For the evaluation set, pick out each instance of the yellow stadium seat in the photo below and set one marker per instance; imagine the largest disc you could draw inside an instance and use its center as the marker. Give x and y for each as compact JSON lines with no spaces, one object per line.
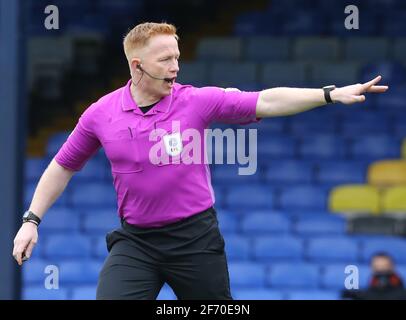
{"x":354,"y":198}
{"x":394,"y":199}
{"x":387,"y":173}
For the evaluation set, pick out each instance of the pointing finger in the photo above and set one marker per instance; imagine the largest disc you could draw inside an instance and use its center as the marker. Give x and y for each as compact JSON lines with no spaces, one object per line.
{"x":377,"y":89}
{"x":374,"y":81}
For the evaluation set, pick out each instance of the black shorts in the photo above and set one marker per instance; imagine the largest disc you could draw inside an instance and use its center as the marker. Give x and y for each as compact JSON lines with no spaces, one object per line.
{"x":188,"y":255}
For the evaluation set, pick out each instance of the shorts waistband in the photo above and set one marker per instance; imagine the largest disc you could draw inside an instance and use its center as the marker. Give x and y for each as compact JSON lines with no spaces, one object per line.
{"x":192,"y":218}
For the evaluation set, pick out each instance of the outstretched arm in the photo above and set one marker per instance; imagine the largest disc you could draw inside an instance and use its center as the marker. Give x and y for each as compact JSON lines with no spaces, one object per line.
{"x":287,"y":101}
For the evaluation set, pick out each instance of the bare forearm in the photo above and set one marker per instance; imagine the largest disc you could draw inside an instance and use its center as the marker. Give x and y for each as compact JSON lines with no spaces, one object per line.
{"x":51,"y":185}
{"x":287,"y":101}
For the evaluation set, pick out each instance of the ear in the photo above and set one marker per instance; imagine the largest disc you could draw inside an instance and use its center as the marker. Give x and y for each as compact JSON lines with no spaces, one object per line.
{"x":135,"y":63}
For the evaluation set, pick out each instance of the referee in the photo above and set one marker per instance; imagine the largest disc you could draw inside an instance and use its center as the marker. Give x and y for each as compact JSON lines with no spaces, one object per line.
{"x":169,"y":229}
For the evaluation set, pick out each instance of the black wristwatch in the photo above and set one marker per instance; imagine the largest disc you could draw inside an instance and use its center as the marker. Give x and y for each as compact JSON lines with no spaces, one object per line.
{"x":30,"y":216}
{"x":327,"y":90}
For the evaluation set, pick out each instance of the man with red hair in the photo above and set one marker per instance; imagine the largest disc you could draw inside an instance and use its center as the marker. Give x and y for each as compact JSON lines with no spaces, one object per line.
{"x":169,"y":227}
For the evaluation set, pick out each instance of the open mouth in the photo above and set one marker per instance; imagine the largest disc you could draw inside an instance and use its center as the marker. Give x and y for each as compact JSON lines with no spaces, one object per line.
{"x":171,"y":80}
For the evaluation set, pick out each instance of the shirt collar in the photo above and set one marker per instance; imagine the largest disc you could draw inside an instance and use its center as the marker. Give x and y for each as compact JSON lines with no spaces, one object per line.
{"x":128,"y":103}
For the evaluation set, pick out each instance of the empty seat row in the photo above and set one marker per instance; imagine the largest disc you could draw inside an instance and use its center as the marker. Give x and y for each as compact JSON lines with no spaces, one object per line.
{"x":277,"y":275}
{"x":282,"y":276}
{"x":276,"y":74}
{"x":311,"y":22}
{"x":305,"y":245}
{"x":287,"y":196}
{"x":266,"y":48}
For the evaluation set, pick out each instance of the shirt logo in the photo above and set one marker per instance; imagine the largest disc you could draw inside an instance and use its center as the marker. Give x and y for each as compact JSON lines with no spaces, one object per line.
{"x":173,"y":144}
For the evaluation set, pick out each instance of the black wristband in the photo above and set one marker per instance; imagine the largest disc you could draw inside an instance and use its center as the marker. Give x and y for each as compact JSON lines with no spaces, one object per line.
{"x":32,"y":221}
{"x":30,"y":216}
{"x":327,"y":90}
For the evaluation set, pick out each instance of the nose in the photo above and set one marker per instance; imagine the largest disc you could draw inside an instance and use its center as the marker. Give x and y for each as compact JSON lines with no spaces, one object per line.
{"x":175,"y":66}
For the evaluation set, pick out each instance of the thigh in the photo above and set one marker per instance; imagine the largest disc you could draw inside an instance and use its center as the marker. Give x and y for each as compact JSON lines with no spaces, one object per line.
{"x":128,"y":273}
{"x":202,"y":275}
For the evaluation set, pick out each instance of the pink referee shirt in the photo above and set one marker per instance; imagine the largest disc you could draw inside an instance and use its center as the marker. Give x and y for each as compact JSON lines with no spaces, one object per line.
{"x":154,"y":194}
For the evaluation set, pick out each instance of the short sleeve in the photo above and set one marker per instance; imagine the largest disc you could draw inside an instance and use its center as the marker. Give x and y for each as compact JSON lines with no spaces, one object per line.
{"x":229,"y":105}
{"x":80,"y":146}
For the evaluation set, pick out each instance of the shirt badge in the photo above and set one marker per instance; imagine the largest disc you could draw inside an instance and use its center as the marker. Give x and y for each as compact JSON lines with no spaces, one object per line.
{"x":173,"y":144}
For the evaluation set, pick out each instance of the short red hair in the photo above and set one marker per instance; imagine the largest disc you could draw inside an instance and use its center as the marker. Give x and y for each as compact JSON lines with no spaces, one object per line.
{"x":141,"y":33}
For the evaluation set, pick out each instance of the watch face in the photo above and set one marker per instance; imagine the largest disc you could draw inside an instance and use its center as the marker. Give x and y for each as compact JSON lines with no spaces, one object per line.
{"x":26,"y":214}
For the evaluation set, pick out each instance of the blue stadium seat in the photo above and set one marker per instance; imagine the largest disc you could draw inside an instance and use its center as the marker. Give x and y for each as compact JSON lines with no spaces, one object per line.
{"x":375,"y":147}
{"x":289,"y":172}
{"x":277,"y":74}
{"x":229,"y":74}
{"x":80,"y":271}
{"x":334,"y":276}
{"x":246,"y":274}
{"x":249,"y":24}
{"x":322,"y":147}
{"x":166,"y":293}
{"x":33,"y":271}
{"x":341,"y":172}
{"x":320,"y":225}
{"x":257,"y":223}
{"x":34,"y":168}
{"x":393,"y":101}
{"x":313,"y":295}
{"x":219,"y":196}
{"x":303,"y":197}
{"x":219,"y":48}
{"x":300,"y":128}
{"x":394,"y":26}
{"x":100,"y":221}
{"x":316,"y":48}
{"x":364,"y":116}
{"x":67,"y":246}
{"x":41,"y":293}
{"x":373,"y":122}
{"x":93,"y":195}
{"x":401,"y":270}
{"x":341,"y":74}
{"x":61,"y":219}
{"x":257,"y":294}
{"x":300,"y":23}
{"x":333,"y":249}
{"x":29,"y":189}
{"x":267,"y":127}
{"x":194,"y":73}
{"x":393,"y":73}
{"x":84,"y":293}
{"x":228,"y":174}
{"x":366,"y":48}
{"x":237,"y":247}
{"x":400,"y":129}
{"x":302,"y":214}
{"x":354,"y":128}
{"x":228,"y":221}
{"x":55,"y":142}
{"x":399,"y":49}
{"x":263,"y":49}
{"x":282,"y":248}
{"x":283,"y":276}
{"x":100,"y":249}
{"x":367,"y":28}
{"x":240,"y":197}
{"x":396,"y":247}
{"x":95,"y":170}
{"x":277,"y":147}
